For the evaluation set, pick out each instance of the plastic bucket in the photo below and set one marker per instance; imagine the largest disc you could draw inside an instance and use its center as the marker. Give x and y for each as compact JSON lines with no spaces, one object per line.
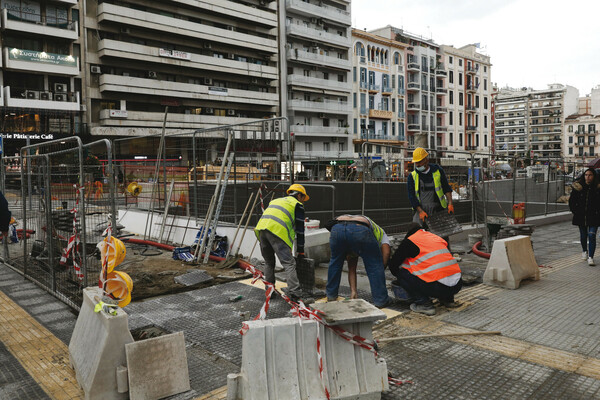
{"x":312,"y":224}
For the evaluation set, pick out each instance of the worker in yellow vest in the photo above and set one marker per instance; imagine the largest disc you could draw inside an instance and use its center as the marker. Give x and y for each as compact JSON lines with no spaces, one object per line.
{"x":425,"y":269}
{"x":281,"y":223}
{"x":428,"y":188}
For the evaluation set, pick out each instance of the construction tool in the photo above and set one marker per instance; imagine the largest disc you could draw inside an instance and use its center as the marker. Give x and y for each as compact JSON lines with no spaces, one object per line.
{"x":393,"y":339}
{"x":166,"y":214}
{"x":240,"y":223}
{"x":247,"y":222}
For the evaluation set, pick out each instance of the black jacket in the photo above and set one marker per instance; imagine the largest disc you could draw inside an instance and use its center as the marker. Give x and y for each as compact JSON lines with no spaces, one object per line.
{"x":584,"y":203}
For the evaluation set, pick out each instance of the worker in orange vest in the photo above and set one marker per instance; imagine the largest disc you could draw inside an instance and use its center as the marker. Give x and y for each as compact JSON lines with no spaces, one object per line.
{"x":425,"y":269}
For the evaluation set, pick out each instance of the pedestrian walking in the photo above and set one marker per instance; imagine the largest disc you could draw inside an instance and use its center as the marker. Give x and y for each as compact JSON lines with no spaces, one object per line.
{"x":425,"y":269}
{"x":281,"y":223}
{"x":354,"y":236}
{"x":584,"y":203}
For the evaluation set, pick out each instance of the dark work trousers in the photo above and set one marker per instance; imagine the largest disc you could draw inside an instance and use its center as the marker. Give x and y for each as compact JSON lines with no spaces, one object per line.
{"x":421,"y":291}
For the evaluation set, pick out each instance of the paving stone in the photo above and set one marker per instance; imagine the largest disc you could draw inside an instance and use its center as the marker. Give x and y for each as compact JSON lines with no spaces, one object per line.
{"x":193,"y":278}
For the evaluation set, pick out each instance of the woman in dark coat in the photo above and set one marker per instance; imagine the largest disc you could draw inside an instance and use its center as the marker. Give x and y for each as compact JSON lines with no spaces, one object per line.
{"x":584,"y":203}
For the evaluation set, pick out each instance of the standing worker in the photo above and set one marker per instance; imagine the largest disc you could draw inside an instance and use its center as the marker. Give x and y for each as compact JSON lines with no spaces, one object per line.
{"x":281,"y":223}
{"x":584,"y":203}
{"x":428,"y":188}
{"x":354,"y":236}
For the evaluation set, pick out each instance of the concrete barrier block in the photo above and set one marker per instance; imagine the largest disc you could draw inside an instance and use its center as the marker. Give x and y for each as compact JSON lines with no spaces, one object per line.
{"x":279,"y":359}
{"x":97,"y":348}
{"x":316,"y":245}
{"x":157,"y":367}
{"x":511,"y":261}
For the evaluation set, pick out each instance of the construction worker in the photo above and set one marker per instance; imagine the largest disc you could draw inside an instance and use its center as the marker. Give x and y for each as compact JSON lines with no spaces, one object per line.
{"x":354,"y":236}
{"x":428,"y":188}
{"x":425,"y":269}
{"x":281,"y":223}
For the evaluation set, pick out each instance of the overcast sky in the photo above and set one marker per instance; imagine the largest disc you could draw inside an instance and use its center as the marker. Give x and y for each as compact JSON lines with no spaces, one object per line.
{"x":530,"y":42}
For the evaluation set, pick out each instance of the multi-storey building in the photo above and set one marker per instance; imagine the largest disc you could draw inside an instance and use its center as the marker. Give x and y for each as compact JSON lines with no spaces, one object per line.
{"x":212,"y":62}
{"x":469,"y":100}
{"x":378,"y":94}
{"x":581,"y":140}
{"x":41,"y":74}
{"x":315,"y":68}
{"x":530,"y":123}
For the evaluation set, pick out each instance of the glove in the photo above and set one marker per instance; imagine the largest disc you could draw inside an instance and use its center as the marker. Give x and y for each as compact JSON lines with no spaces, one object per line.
{"x":450,"y":209}
{"x":423,"y":215}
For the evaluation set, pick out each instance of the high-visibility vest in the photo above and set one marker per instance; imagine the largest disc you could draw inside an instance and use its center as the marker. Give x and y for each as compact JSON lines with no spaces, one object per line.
{"x":434,"y":261}
{"x":279,"y":219}
{"x":377,"y":231}
{"x":437,"y":182}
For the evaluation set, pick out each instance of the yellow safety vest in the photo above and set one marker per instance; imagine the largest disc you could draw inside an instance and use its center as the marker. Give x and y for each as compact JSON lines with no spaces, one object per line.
{"x":437,"y":182}
{"x":279,"y":219}
{"x":377,"y":231}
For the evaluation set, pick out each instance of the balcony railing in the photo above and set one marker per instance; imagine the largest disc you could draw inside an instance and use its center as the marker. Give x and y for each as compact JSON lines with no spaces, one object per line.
{"x":317,"y":34}
{"x":471,"y":128}
{"x":472,"y":70}
{"x":35,"y":23}
{"x":317,"y":58}
{"x":297,"y":79}
{"x":413,"y":67}
{"x":324,"y":105}
{"x":414,"y":106}
{"x":42,"y":99}
{"x":381,"y":114}
{"x":373,"y":87}
{"x":413,"y":86}
{"x":441,"y":91}
{"x":386,"y":89}
{"x":401,"y":92}
{"x":364,"y":85}
{"x":321,"y":11}
{"x":413,"y":127}
{"x":472,"y":88}
{"x":441,"y":109}
{"x":401,"y":115}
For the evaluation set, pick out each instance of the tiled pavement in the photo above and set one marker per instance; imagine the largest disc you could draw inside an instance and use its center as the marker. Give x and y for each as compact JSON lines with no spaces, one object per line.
{"x":548,"y":350}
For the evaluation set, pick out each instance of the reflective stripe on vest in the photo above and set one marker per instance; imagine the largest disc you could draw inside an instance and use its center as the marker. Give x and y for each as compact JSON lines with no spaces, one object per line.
{"x":437,"y":182}
{"x":279,"y":219}
{"x":377,"y":231}
{"x":434,"y":261}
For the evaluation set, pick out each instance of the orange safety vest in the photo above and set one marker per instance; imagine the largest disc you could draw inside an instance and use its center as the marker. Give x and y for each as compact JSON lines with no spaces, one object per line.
{"x":434,"y":261}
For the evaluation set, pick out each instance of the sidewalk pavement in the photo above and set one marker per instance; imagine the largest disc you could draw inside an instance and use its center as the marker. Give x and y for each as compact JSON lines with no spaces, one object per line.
{"x":549,"y":348}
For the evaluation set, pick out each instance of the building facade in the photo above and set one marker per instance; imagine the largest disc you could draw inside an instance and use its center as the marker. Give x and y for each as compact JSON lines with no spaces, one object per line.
{"x":581,"y":141}
{"x":531,"y":123}
{"x":315,"y":71}
{"x":468,"y":117}
{"x":212,"y":63}
{"x":40,"y":71}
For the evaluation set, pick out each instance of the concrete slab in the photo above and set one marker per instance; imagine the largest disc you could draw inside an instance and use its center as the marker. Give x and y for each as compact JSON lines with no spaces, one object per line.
{"x":193,"y":278}
{"x":349,"y":312}
{"x":511,"y":261}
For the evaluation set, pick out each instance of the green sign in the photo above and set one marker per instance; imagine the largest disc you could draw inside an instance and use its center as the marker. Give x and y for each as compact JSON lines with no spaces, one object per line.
{"x":42,"y":57}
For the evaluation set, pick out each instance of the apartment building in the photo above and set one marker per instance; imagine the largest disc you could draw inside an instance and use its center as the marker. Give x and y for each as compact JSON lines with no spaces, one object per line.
{"x":468,"y":119}
{"x":581,"y":140}
{"x":40,"y":71}
{"x":378,"y":92}
{"x":212,"y":63}
{"x":530,"y":123}
{"x":315,"y":71}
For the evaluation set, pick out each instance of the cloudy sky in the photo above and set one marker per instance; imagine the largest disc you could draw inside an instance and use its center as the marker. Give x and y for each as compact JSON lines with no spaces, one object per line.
{"x":530,"y":42}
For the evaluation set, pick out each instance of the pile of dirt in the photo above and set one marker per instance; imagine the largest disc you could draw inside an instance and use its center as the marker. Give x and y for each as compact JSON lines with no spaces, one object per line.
{"x":154,"y":275}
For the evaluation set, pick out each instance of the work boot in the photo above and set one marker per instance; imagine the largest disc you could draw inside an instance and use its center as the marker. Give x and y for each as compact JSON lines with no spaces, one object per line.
{"x":591,"y":262}
{"x":427,"y":309}
{"x":584,"y":255}
{"x":450,"y":303}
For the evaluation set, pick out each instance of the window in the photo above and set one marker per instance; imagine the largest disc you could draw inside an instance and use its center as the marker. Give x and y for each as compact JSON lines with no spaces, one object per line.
{"x":452,"y":97}
{"x":592,"y":128}
{"x":307,"y":146}
{"x":393,"y":105}
{"x":306,"y":72}
{"x":393,"y":81}
{"x":485,"y":84}
{"x":477,"y":101}
{"x":484,"y":68}
{"x":354,"y":74}
{"x":450,"y":59}
{"x":580,"y":128}
{"x":326,"y":146}
{"x":355,"y":126}
{"x":460,"y":137}
{"x":485,"y":122}
{"x":570,"y":137}
{"x":325,"y":75}
{"x":460,"y":99}
{"x":485,"y":103}
{"x":459,"y":62}
{"x":477,"y":140}
{"x":354,"y":100}
{"x":460,"y":78}
{"x":451,"y":135}
{"x":371,"y":102}
{"x":451,"y":118}
{"x":485,"y":140}
{"x":570,"y":151}
{"x":342,"y":146}
{"x":570,"y":128}
{"x":363,"y":74}
{"x":396,"y":58}
{"x":460,"y":121}
{"x":476,"y":119}
{"x":451,"y":77}
{"x":341,"y":77}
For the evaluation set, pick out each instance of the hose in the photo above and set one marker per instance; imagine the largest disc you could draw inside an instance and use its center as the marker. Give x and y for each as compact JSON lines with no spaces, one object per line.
{"x":479,"y":252}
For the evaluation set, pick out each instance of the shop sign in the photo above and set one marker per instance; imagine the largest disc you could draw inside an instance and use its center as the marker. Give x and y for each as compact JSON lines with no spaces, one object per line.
{"x":118,"y":113}
{"x":218,"y":91}
{"x":42,"y":57}
{"x":31,"y":136}
{"x":182,"y":55}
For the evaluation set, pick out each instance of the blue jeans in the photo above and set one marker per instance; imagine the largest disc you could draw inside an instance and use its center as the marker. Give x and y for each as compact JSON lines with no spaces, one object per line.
{"x":588,"y":234}
{"x":348,"y":237}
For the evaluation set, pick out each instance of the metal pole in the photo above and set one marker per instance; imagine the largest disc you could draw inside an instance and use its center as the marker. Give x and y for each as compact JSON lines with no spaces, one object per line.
{"x":514,"y":187}
{"x":240,"y":223}
{"x":547,"y":190}
{"x":248,"y":220}
{"x":473,"y":214}
{"x":364,"y":187}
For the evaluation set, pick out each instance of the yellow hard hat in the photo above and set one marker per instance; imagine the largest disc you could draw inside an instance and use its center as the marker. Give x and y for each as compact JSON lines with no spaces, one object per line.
{"x":419,"y":154}
{"x":114,"y":250}
{"x":119,"y":285}
{"x":298,"y":188}
{"x":134,"y":189}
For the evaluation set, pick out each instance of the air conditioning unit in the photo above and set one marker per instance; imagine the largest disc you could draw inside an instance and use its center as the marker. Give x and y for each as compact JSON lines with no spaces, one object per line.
{"x":95,"y":69}
{"x":46,"y":96}
{"x":209,"y":110}
{"x":313,"y":20}
{"x":32,"y":94}
{"x":125,"y":30}
{"x":321,"y":115}
{"x":208,"y":81}
{"x":231,"y":112}
{"x":231,"y":28}
{"x":152,"y":74}
{"x":207,"y":45}
{"x":231,"y":56}
{"x":60,"y":97}
{"x":254,"y":81}
{"x":60,"y":88}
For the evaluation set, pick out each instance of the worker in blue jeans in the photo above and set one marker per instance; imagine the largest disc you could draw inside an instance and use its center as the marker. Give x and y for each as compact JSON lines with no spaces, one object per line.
{"x":360,"y":235}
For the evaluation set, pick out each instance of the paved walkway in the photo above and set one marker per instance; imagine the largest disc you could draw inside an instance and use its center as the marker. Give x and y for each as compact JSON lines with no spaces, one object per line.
{"x":549,"y":346}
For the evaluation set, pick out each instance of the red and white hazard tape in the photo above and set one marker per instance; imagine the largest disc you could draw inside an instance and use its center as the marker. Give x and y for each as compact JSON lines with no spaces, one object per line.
{"x":72,"y":248}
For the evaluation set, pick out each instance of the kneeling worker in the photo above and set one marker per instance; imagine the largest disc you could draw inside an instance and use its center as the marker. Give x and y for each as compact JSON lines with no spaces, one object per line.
{"x":425,"y":269}
{"x":281,"y":223}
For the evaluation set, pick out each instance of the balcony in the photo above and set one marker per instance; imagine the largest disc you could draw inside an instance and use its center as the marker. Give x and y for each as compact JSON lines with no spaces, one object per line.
{"x":381,"y":114}
{"x":363,"y":111}
{"x":38,"y":61}
{"x":386,"y":89}
{"x":471,"y":109}
{"x":308,"y":130}
{"x":154,"y":87}
{"x":470,"y":148}
{"x":442,"y":128}
{"x":471,"y":128}
{"x":440,"y":70}
{"x":325,"y":106}
{"x":318,"y":35}
{"x":472,"y":88}
{"x":413,"y":86}
{"x":39,"y":99}
{"x":413,"y":127}
{"x":364,"y":85}
{"x":413,"y":67}
{"x":318,"y":59}
{"x":313,"y":10}
{"x":425,"y":88}
{"x":471,"y":70}
{"x":147,"y":54}
{"x":318,"y":83}
{"x":401,"y":92}
{"x":442,"y":109}
{"x":373,"y":87}
{"x":36,"y":24}
{"x":441,"y":91}
{"x":401,"y":115}
{"x":380,"y":135}
{"x":413,"y":106}
{"x":115,"y":14}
